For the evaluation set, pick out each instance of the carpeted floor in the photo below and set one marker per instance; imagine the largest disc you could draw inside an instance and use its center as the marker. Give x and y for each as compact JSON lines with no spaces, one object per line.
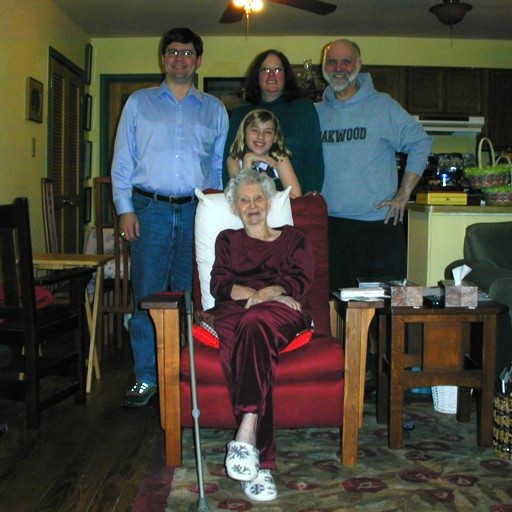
{"x":440,"y":468}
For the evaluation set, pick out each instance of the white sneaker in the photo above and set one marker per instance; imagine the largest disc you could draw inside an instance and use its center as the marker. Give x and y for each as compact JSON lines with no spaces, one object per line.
{"x":262,"y":488}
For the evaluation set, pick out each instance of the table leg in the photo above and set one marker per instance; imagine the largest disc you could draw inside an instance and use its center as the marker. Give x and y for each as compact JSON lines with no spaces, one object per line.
{"x":484,"y":432}
{"x":357,"y":322}
{"x":92,"y":320}
{"x":396,"y":390}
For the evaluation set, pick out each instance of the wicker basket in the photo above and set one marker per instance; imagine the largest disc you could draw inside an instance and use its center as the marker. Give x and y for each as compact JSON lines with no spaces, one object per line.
{"x":498,"y":196}
{"x":445,"y":399}
{"x":502,"y":426}
{"x":488,"y":180}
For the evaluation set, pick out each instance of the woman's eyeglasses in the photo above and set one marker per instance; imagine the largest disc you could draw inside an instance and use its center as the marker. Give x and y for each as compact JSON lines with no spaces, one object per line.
{"x":277,"y":70}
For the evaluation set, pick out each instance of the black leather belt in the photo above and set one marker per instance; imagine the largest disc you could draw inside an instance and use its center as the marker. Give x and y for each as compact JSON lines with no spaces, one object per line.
{"x":165,"y":199}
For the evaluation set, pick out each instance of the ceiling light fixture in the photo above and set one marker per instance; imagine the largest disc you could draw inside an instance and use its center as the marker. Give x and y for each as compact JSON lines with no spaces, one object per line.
{"x":249,"y":6}
{"x":450,"y":12}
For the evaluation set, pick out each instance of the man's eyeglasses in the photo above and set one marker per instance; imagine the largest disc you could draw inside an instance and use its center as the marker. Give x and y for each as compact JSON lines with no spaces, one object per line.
{"x":277,"y":70}
{"x":172,"y":52}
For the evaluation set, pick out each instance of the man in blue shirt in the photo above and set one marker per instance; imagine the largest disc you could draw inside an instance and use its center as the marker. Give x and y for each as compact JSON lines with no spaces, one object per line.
{"x":170,"y":140}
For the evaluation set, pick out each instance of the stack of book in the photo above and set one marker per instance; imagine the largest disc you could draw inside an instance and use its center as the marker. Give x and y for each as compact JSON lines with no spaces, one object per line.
{"x":364,"y":293}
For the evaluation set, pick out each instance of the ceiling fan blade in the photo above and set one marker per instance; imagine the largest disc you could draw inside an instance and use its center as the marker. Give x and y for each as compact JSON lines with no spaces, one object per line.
{"x":231,"y":14}
{"x":315,"y":6}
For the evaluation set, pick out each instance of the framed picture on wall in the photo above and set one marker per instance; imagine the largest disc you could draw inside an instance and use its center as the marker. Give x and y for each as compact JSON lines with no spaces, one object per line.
{"x":87,"y":159}
{"x":228,"y":90}
{"x":87,"y":204}
{"x":88,"y":63}
{"x":88,"y":112}
{"x":34,"y":100}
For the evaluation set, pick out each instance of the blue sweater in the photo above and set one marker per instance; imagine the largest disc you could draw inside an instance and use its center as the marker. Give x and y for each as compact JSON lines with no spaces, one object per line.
{"x":360,"y":137}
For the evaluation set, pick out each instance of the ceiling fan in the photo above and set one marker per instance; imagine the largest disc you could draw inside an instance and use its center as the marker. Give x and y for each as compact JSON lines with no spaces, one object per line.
{"x":234,"y":13}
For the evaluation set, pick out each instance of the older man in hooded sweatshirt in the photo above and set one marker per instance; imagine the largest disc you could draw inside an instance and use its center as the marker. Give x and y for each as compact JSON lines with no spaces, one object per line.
{"x":362,"y":130}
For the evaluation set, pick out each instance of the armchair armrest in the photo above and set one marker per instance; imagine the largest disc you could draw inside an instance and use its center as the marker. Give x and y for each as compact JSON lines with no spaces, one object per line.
{"x":167,"y":312}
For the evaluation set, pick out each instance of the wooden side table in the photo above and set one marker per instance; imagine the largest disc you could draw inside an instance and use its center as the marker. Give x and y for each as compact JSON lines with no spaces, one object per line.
{"x":458,"y":348}
{"x":60,"y":261}
{"x":356,"y":317}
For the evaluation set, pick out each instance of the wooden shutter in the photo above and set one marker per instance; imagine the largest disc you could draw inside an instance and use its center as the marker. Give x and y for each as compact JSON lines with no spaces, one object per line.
{"x":65,"y":150}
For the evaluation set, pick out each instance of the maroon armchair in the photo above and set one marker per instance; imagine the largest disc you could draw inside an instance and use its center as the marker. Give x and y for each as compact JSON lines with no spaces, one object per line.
{"x":309,"y":389}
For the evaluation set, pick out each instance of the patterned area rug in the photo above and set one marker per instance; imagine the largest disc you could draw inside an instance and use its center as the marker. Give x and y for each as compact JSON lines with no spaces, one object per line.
{"x":440,"y":468}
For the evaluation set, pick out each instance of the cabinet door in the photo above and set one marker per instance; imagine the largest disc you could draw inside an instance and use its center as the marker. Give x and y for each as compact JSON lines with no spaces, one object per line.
{"x":463,"y":91}
{"x":391,"y":80}
{"x":425,"y":91}
{"x":499,"y":121}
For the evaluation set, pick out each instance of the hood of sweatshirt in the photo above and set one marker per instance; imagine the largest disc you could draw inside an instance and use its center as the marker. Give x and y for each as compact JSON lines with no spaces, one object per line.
{"x":366,"y":89}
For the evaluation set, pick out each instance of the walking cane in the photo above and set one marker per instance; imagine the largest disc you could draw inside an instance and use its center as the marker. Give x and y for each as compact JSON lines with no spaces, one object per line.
{"x":201,"y":505}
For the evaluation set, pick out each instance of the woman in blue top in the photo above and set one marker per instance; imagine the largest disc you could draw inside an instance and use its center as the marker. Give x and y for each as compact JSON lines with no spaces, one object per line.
{"x":270,"y":84}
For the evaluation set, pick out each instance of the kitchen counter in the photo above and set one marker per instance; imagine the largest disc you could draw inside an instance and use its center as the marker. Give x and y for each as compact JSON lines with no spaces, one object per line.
{"x":457,"y":209}
{"x":436,"y":236}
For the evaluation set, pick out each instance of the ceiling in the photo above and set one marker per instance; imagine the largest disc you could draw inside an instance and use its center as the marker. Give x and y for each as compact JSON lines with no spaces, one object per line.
{"x":489,"y":19}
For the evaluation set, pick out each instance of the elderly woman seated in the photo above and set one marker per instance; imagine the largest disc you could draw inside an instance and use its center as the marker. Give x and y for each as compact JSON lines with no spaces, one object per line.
{"x":260,"y":279}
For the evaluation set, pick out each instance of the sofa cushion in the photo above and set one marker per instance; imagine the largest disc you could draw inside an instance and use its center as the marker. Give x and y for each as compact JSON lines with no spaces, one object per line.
{"x":319,"y":360}
{"x":205,"y":334}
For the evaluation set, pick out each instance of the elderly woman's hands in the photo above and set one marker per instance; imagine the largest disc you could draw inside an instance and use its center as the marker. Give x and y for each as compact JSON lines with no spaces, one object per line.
{"x":272,"y":293}
{"x":289,"y":301}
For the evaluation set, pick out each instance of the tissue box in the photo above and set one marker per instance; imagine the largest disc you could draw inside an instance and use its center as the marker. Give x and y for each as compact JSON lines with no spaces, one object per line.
{"x":406,"y":296}
{"x":463,"y":296}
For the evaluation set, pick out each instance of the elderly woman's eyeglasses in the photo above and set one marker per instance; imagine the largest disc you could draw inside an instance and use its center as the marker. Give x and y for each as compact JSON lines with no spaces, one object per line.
{"x":277,"y":70}
{"x":173,"y":52}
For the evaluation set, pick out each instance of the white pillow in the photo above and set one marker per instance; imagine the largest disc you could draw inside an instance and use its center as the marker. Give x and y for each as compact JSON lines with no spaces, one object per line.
{"x":213,"y":215}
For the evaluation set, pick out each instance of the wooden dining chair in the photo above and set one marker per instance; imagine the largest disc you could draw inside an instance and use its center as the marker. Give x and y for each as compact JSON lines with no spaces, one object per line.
{"x":117,"y":300}
{"x":46,"y":339}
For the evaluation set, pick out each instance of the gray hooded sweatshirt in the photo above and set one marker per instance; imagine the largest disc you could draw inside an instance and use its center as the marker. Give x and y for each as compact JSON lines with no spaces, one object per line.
{"x":360,"y":137}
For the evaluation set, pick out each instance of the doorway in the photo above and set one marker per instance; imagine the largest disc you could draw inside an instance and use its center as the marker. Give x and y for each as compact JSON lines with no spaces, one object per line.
{"x":65,"y":149}
{"x":115,"y":90}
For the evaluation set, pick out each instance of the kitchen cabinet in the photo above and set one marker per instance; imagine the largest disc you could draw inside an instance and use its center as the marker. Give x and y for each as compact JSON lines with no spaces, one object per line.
{"x":499,"y":118}
{"x":436,"y":236}
{"x":391,"y":80}
{"x":452,"y":92}
{"x":444,"y":91}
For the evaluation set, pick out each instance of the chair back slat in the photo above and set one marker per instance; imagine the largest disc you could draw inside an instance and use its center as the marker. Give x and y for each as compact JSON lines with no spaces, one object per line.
{"x":118,"y":300}
{"x":49,"y":222}
{"x":17,"y":272}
